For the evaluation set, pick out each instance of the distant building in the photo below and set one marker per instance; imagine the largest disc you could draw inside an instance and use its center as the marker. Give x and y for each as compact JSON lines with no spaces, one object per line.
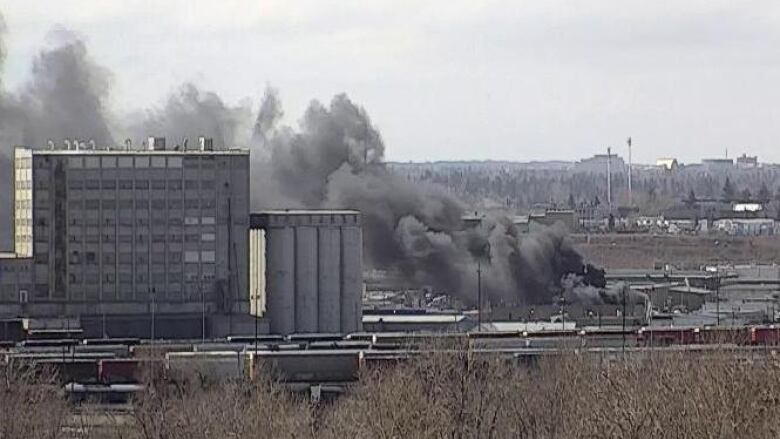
{"x":598,"y":164}
{"x":717,"y":164}
{"x":745,"y":226}
{"x":668,"y":164}
{"x":522,"y":223}
{"x":745,"y":161}
{"x":747,"y":207}
{"x":567,"y":218}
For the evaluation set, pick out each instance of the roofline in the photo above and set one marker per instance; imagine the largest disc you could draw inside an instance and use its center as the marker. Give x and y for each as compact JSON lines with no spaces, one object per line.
{"x":121,"y":151}
{"x":307,"y":212}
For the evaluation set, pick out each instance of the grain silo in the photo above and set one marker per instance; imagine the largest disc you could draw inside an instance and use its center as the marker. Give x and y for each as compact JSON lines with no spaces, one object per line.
{"x":306,"y":270}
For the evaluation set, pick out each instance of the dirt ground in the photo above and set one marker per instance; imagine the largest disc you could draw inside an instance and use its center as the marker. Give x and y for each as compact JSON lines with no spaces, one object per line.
{"x":687,"y":252}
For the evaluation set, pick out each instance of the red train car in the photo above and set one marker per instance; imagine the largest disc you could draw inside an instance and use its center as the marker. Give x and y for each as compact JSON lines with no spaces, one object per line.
{"x":126,"y":370}
{"x":765,"y":335}
{"x":667,"y":336}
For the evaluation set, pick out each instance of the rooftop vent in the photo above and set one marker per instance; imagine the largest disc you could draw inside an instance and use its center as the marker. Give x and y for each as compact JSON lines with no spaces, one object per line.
{"x":156,"y":143}
{"x":206,"y":144}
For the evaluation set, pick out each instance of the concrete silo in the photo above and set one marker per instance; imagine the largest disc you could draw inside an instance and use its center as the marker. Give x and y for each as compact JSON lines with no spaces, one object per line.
{"x":313,"y":278}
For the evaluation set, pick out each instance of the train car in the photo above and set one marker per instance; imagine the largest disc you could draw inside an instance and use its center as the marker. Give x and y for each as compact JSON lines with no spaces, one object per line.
{"x":68,"y":370}
{"x":100,"y":393}
{"x":216,"y":366}
{"x":111,"y":341}
{"x":765,"y":335}
{"x":422,"y":339}
{"x":118,"y":350}
{"x":22,"y":357}
{"x":59,"y":342}
{"x":738,"y":335}
{"x":667,"y":336}
{"x":127,"y":370}
{"x":314,"y":337}
{"x":250,"y":339}
{"x":341,"y":344}
{"x":158,"y":350}
{"x":326,"y":366}
{"x":218,"y":347}
{"x":606,"y":338}
{"x":373,"y":360}
{"x":361,"y":336}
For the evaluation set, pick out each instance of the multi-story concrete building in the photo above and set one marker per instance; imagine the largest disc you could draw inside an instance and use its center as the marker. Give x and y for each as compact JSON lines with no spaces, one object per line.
{"x":113,"y":236}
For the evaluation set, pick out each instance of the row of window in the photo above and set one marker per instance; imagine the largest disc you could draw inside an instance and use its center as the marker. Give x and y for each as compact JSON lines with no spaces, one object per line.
{"x":130,"y":220}
{"x":139,"y":184}
{"x":138,"y":203}
{"x":91,"y":257}
{"x":141,"y":161}
{"x":142,"y":238}
{"x":127,"y":278}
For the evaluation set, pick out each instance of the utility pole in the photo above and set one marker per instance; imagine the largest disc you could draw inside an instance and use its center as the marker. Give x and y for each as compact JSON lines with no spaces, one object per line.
{"x":717,"y":296}
{"x":609,"y":178}
{"x":202,"y":314}
{"x":630,"y":191}
{"x":624,"y":319}
{"x":484,"y":252}
{"x":479,"y":293}
{"x":153,"y":297}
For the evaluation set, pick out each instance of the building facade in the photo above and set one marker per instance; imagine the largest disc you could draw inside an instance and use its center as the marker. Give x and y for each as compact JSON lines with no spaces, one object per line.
{"x":126,"y":232}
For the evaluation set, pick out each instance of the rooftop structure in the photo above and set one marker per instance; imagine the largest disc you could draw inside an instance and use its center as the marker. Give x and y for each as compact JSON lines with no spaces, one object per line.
{"x":717,"y":164}
{"x":747,"y":162}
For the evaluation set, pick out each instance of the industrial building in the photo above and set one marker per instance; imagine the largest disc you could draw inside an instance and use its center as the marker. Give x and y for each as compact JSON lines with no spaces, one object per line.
{"x":115,"y":237}
{"x":306,"y":270}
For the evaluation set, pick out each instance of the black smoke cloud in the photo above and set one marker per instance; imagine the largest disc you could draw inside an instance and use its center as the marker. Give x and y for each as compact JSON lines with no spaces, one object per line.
{"x":190,"y":113}
{"x":336,"y":160}
{"x":333,"y":159}
{"x":65,"y":98}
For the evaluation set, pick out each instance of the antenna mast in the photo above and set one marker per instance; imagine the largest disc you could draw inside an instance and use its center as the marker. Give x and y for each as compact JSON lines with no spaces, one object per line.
{"x":609,"y":178}
{"x":630,"y":191}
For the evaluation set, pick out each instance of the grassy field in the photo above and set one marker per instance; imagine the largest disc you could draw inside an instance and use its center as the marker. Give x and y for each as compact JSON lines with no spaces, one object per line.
{"x":646,"y":251}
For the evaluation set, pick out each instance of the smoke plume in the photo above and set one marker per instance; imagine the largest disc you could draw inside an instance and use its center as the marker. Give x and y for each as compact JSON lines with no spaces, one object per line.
{"x":336,"y":160}
{"x":333,"y":159}
{"x":65,"y":97}
{"x":190,"y":113}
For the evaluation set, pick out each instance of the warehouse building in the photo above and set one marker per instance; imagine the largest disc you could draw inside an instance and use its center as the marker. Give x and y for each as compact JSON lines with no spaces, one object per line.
{"x":113,"y":236}
{"x":306,"y":270}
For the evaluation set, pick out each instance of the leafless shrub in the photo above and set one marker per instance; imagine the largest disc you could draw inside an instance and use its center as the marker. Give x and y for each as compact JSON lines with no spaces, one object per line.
{"x":233,"y":408}
{"x":31,"y":403}
{"x":452,"y":392}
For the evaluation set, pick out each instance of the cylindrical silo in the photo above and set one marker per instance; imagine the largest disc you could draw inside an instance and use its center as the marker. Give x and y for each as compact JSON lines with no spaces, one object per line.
{"x":306,"y":310}
{"x":281,"y":280}
{"x":351,"y":279}
{"x":329,"y":256}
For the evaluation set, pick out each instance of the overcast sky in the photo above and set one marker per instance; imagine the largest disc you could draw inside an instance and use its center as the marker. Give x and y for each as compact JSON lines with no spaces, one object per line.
{"x":450,"y":79}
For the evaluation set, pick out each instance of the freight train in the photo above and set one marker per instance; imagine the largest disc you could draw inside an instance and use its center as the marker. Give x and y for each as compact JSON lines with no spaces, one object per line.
{"x":330,"y":358}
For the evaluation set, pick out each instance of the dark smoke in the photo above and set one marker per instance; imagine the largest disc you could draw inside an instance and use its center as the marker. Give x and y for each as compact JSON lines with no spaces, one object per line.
{"x":65,"y":98}
{"x":336,"y":160}
{"x":190,"y":113}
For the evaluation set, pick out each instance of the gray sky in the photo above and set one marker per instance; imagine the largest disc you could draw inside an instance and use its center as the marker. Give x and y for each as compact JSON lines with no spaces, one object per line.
{"x":451,"y":79}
